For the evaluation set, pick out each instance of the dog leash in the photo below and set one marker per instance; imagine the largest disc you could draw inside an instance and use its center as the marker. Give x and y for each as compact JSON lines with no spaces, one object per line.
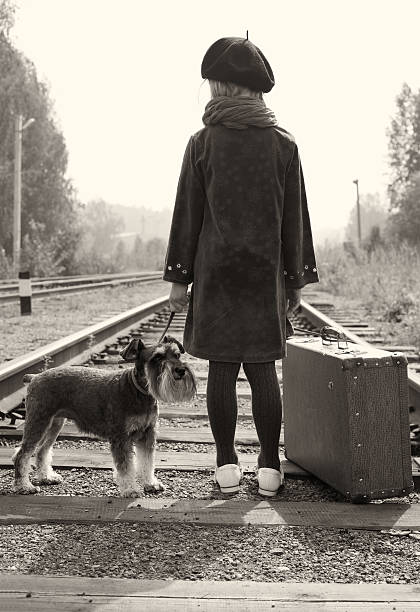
{"x":171,"y":316}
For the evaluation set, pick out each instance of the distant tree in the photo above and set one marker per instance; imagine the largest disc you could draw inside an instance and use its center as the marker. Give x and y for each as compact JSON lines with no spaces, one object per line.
{"x":155,"y":253}
{"x":120,"y":256}
{"x":349,"y":247}
{"x":404,"y":144}
{"x":374,"y":240}
{"x":39,"y":253}
{"x":96,"y":249}
{"x":404,"y":223}
{"x":6,"y":268}
{"x":138,"y":253}
{"x":7,"y":16}
{"x":372,"y":213}
{"x":48,"y":198}
{"x":99,"y":226}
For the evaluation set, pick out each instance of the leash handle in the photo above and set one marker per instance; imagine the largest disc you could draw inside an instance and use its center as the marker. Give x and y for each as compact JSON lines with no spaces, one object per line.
{"x":171,"y":316}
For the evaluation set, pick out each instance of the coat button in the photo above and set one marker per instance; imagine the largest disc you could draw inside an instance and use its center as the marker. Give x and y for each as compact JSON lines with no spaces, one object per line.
{"x":314,"y":270}
{"x":306,"y":267}
{"x":178,"y":265}
{"x":184,"y":271}
{"x":285,"y":272}
{"x":169,"y":267}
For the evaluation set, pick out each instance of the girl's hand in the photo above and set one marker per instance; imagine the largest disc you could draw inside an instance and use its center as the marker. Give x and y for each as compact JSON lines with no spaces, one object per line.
{"x":293,"y":300}
{"x":178,"y":297}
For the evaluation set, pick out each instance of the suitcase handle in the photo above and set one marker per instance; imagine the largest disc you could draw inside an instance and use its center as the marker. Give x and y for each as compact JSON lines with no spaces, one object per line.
{"x":328,"y":335}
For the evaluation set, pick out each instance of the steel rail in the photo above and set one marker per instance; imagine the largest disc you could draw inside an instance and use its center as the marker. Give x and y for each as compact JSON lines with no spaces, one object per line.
{"x":319,"y":319}
{"x":10,"y":284}
{"x":13,"y":297}
{"x":71,"y":349}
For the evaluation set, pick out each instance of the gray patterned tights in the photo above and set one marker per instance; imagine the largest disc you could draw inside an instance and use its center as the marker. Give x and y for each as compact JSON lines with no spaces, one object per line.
{"x":266,"y":409}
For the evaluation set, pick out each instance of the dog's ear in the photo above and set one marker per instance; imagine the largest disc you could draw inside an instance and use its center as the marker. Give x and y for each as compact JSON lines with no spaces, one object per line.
{"x":130,"y":352}
{"x":172,"y":339}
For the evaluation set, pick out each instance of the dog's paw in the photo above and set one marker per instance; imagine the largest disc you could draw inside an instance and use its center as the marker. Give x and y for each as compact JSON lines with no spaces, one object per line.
{"x":131,"y":493}
{"x":154,"y":487}
{"x":49,"y":479}
{"x":26,"y":489}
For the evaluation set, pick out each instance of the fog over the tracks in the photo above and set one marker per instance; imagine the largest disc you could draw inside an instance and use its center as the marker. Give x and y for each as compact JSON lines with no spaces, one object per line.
{"x":125,"y":77}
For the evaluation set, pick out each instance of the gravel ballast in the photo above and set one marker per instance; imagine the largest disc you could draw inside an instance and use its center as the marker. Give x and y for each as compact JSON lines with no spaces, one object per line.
{"x":180,"y":484}
{"x":190,"y":485}
{"x":190,"y":552}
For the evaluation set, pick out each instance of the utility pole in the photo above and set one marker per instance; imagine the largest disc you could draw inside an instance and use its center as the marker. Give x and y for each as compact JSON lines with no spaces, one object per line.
{"x":359,"y":224}
{"x":17,"y":190}
{"x":17,"y":194}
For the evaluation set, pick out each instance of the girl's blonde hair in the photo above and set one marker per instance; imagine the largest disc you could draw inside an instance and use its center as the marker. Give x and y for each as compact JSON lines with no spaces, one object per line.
{"x":226,"y":88}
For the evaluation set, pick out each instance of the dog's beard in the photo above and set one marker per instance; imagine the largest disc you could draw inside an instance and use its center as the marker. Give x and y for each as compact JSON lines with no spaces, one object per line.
{"x":165,"y":388}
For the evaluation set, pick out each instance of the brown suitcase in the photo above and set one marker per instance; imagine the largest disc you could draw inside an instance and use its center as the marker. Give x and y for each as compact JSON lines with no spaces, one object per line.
{"x":346,"y":417}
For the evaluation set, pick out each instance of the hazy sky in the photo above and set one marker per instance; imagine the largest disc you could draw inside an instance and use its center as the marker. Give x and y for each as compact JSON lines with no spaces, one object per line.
{"x":125,"y":78}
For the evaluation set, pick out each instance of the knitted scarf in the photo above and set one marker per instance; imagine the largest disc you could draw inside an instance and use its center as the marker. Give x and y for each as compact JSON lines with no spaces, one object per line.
{"x":238,"y":112}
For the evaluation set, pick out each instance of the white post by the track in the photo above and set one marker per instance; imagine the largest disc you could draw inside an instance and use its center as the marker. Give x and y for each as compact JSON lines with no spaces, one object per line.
{"x":25,"y":293}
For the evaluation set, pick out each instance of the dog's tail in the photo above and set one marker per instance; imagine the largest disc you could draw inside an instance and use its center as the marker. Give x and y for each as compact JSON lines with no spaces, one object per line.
{"x":27,"y":378}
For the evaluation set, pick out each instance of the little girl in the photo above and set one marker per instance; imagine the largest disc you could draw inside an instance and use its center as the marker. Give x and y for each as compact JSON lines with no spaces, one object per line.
{"x":241,"y":234}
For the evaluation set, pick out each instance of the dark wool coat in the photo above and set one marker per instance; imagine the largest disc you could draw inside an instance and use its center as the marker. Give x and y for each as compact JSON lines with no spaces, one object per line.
{"x":241,"y":234}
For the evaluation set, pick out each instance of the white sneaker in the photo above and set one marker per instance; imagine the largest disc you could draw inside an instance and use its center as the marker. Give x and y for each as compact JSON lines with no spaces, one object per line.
{"x":269,"y":481}
{"x":228,"y":477}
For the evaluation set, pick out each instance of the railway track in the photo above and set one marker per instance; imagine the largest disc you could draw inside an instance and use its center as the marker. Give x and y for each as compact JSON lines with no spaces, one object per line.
{"x":185,"y":452}
{"x":75,"y":284}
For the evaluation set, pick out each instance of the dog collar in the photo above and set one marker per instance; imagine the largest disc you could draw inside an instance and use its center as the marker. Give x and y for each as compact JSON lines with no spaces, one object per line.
{"x":136,"y":384}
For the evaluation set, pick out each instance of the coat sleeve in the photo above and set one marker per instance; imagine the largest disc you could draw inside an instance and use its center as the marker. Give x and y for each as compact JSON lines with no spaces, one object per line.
{"x":187,"y":220}
{"x":298,"y":251}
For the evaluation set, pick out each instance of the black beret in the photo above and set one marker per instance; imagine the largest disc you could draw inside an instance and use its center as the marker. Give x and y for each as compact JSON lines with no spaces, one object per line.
{"x":239,"y":61}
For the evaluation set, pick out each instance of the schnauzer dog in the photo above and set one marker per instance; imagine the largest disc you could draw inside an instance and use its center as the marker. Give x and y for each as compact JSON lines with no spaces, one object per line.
{"x":119,"y":406}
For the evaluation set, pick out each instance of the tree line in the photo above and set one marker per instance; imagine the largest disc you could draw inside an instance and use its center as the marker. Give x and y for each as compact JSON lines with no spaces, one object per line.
{"x":60,"y":234}
{"x":104,"y":249}
{"x":49,"y":211}
{"x":399,"y":221}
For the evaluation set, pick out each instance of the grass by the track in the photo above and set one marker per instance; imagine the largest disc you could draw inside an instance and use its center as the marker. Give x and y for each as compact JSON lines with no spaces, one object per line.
{"x":387,"y":282}
{"x":57,"y":316}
